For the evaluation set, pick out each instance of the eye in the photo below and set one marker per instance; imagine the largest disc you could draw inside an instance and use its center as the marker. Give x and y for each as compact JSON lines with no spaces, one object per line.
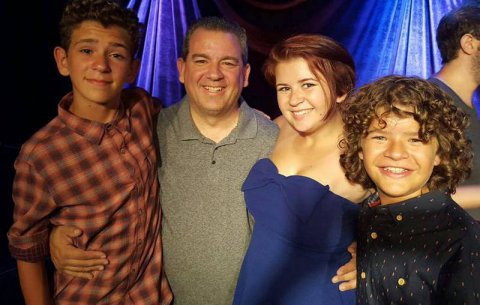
{"x":308,"y":85}
{"x":86,"y":51}
{"x":200,"y":61}
{"x":283,"y":89}
{"x":230,"y":63}
{"x":378,"y":138}
{"x":118,"y":56}
{"x":416,"y":140}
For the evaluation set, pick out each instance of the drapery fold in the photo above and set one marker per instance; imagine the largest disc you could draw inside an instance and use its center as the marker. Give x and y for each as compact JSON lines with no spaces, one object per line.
{"x":166,"y":22}
{"x":384,"y":37}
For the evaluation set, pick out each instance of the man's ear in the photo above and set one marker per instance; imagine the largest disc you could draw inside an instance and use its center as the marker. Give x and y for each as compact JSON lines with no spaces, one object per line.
{"x":437,"y":160}
{"x":181,"y":70}
{"x":360,"y":155}
{"x":246,"y":74}
{"x":467,"y":44}
{"x":60,"y":55}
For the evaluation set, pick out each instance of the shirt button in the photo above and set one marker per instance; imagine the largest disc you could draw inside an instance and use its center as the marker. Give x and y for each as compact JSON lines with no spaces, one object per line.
{"x":399,"y":217}
{"x":122,"y":150}
{"x":363,"y":275}
{"x":374,"y":235}
{"x":401,"y":281}
{"x":140,"y":212}
{"x":213,"y":161}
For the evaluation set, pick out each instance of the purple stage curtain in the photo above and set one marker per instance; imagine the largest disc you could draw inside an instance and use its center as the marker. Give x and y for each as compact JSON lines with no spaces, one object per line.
{"x":383,"y":36}
{"x":166,"y":23}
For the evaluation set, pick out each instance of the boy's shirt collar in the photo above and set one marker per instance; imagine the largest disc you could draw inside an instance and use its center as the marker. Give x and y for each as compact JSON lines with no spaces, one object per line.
{"x":93,"y":131}
{"x":428,"y":202}
{"x":373,"y":200}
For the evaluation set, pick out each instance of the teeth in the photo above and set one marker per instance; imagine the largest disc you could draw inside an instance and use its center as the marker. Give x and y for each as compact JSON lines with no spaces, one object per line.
{"x":395,"y":170}
{"x":302,"y":112}
{"x":213,"y":89}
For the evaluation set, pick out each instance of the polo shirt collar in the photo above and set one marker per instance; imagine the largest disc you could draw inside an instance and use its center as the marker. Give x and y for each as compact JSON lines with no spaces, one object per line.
{"x":246,"y":127}
{"x":93,"y":131}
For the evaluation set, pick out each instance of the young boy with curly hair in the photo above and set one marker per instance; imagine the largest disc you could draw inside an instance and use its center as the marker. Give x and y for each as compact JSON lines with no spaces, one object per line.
{"x":405,"y":138}
{"x":93,"y":167}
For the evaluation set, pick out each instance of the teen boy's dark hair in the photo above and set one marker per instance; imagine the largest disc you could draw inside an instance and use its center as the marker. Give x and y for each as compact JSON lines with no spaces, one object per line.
{"x":106,"y":12}
{"x":431,"y":108}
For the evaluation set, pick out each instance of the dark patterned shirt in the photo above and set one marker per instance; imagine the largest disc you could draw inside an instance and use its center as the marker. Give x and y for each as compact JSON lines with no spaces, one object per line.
{"x":425,"y":250}
{"x":101,"y":178}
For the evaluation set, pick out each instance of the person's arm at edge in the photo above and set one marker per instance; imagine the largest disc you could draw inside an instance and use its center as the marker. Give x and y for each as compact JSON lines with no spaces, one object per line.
{"x":34,"y":283}
{"x":468,"y":196}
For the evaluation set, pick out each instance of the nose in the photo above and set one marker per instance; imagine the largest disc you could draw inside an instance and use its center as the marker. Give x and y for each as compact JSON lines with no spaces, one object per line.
{"x":101,"y":63}
{"x":297,"y":97}
{"x":214,"y":71}
{"x":396,"y":150}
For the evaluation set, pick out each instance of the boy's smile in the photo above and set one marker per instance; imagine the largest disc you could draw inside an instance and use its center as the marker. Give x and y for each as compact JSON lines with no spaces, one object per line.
{"x":397,"y":160}
{"x":99,"y":62}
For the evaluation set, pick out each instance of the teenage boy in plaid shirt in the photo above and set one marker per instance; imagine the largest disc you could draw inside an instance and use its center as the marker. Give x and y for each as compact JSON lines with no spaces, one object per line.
{"x":93,"y":167}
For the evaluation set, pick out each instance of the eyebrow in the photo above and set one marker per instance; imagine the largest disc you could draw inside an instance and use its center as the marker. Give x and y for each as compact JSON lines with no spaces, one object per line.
{"x":382,"y":131}
{"x":300,"y":81}
{"x":197,"y":55}
{"x":91,"y":40}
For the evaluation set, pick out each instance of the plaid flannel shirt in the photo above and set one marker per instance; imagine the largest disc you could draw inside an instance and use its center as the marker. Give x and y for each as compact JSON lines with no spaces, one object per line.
{"x":101,"y":178}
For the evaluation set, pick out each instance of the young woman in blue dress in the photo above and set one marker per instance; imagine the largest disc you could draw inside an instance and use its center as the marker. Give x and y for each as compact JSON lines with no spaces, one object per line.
{"x":304,"y":208}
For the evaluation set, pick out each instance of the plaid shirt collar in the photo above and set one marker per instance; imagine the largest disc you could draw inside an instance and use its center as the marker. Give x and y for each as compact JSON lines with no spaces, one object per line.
{"x":93,"y":131}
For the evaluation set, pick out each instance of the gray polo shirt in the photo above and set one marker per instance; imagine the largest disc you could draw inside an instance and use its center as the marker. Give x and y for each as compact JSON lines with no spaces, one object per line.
{"x":206,"y":228}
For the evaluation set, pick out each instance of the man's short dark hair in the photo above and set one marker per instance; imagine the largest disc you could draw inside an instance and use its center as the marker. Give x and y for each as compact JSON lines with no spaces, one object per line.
{"x":464,"y":20}
{"x":220,"y":25}
{"x":106,"y":12}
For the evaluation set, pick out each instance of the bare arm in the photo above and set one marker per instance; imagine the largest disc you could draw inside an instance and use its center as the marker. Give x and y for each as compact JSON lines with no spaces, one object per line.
{"x":468,"y":196}
{"x":71,"y":260}
{"x":347,"y":274}
{"x":34,"y":283}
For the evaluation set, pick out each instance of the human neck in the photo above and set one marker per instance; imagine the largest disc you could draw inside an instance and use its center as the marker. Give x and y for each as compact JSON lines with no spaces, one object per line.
{"x":216,"y":127}
{"x":330,"y":132}
{"x":102,"y":113}
{"x":457,"y":76}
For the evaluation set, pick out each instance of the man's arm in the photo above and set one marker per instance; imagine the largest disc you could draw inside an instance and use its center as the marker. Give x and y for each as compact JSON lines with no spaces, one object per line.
{"x":34,"y":283}
{"x":71,"y":260}
{"x":468,"y":196}
{"x":347,"y":274}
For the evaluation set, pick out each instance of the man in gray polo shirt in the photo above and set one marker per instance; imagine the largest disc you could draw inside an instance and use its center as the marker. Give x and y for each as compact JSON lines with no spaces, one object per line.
{"x":208,"y":144}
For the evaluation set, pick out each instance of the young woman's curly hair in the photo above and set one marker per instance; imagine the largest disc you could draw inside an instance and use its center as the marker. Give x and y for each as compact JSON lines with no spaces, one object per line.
{"x":432,"y":108}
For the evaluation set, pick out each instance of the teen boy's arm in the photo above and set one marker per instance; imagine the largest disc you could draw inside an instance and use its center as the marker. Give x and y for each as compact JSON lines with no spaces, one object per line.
{"x":28,"y":235}
{"x":34,"y":283}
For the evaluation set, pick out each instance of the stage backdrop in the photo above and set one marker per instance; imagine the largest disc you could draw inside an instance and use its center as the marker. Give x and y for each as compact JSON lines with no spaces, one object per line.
{"x":384,"y":36}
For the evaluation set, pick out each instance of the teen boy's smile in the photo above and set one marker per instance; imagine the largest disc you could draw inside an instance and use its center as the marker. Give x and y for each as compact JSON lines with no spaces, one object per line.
{"x":398,"y":162}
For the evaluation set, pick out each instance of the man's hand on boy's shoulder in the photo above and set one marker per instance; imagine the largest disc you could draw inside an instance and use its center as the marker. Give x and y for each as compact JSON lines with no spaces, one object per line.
{"x":69,"y":259}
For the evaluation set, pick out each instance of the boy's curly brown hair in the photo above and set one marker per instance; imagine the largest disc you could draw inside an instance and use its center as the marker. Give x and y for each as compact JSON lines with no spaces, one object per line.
{"x":106,"y":12}
{"x":432,"y":108}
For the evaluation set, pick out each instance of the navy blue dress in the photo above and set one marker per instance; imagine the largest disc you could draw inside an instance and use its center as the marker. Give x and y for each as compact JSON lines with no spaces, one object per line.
{"x":301,"y":234}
